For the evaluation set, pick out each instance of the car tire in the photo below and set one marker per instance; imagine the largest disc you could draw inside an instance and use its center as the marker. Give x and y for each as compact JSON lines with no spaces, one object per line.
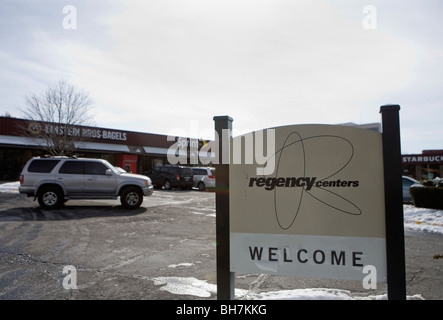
{"x":167,"y":184}
{"x":201,"y":186}
{"x":131,"y":198}
{"x":50,"y":197}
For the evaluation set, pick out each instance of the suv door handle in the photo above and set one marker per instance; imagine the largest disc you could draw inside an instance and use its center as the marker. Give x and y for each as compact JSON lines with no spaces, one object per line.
{"x":59,"y":178}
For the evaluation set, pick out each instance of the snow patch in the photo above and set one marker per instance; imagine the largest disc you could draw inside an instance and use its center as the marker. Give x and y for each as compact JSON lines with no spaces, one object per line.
{"x":202,"y":289}
{"x":10,"y":187}
{"x":184,"y":264}
{"x":191,"y":286}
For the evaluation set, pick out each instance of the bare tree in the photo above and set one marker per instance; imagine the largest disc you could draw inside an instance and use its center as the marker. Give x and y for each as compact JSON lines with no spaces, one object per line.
{"x":55,"y":114}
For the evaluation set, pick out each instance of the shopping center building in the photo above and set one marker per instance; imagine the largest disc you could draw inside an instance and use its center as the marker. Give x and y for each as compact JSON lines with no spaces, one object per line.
{"x":136,"y":152}
{"x":139,"y":152}
{"x":427,"y":165}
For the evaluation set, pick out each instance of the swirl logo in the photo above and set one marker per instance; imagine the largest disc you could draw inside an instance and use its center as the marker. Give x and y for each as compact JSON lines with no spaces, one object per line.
{"x":34,"y":128}
{"x":307,"y":167}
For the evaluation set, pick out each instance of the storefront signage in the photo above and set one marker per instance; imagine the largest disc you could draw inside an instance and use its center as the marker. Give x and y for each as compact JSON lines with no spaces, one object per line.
{"x":36,"y":128}
{"x":419,"y":158}
{"x":320,"y":213}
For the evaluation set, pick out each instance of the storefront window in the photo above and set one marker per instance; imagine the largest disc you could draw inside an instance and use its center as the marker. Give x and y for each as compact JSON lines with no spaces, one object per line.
{"x":430,"y":171}
{"x":13,"y":161}
{"x":159,"y":162}
{"x":109,"y":157}
{"x":409,"y":170}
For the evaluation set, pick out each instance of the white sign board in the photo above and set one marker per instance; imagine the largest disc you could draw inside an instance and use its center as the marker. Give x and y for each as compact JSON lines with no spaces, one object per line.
{"x":314,"y":208}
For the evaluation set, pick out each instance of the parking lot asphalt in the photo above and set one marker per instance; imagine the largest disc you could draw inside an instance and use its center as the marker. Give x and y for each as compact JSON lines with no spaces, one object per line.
{"x":100,"y":250}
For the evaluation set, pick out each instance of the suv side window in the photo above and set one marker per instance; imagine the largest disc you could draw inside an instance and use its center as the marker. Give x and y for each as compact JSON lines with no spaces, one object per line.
{"x":198,"y":172}
{"x":95,"y":168}
{"x":72,"y":167}
{"x":188,"y":171}
{"x":163,"y":169}
{"x":173,"y":170}
{"x":42,"y":166}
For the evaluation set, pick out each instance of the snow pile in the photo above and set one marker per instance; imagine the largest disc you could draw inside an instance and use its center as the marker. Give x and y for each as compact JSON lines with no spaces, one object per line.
{"x":319,"y":294}
{"x":9,"y":187}
{"x":202,"y":289}
{"x":422,"y":219}
{"x":186,"y":286}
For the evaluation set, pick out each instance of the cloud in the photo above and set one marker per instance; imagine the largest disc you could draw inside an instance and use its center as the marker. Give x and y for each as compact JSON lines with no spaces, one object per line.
{"x":262,"y":63}
{"x":161,"y":64}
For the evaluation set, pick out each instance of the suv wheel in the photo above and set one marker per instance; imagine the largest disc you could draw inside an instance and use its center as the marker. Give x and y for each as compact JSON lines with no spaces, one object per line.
{"x":50,"y":197}
{"x":201,"y":186}
{"x":131,"y":198}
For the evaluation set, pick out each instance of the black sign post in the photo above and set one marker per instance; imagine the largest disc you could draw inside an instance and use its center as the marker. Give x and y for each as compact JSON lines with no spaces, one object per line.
{"x":225,"y":278}
{"x":395,"y":241}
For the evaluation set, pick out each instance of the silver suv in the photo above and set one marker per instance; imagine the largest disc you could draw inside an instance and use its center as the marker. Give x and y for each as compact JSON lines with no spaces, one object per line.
{"x":204,"y":177}
{"x":54,"y":180}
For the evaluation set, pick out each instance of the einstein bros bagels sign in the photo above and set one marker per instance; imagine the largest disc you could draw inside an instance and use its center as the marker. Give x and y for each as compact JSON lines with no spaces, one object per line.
{"x":313,"y":208}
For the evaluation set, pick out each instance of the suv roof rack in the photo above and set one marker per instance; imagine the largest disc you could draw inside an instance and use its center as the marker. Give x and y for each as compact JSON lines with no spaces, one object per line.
{"x":46,"y":156}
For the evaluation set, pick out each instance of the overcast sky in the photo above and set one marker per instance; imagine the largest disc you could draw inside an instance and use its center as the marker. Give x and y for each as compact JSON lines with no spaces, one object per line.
{"x":170,"y":66}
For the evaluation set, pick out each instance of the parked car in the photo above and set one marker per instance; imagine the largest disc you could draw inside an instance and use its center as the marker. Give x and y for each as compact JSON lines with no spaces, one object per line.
{"x":54,"y":180}
{"x":204,"y":177}
{"x":407,"y":183}
{"x":170,"y":177}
